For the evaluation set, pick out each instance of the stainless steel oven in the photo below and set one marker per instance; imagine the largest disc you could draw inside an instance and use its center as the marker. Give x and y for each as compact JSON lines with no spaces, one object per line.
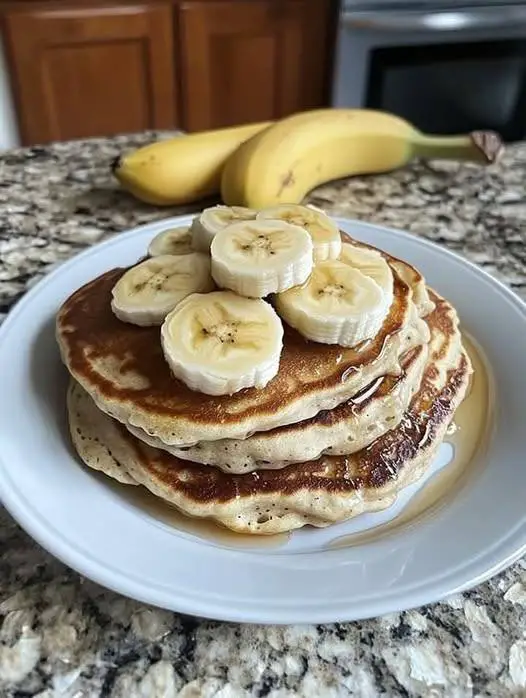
{"x":448,"y":67}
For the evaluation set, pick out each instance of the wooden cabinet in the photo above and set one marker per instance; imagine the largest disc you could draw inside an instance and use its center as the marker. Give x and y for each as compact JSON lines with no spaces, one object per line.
{"x":80,"y":71}
{"x":252,"y":61}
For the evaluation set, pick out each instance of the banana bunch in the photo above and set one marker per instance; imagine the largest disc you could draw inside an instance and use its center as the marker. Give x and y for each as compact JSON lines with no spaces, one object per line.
{"x":267,"y":165}
{"x":221,"y":287}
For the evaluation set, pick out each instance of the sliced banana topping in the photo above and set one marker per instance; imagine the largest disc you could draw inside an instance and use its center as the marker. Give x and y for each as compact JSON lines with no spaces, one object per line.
{"x":370,"y":263}
{"x":174,"y":241}
{"x":219,"y":343}
{"x":324,"y":232}
{"x":209,"y":222}
{"x":337,"y":305}
{"x":255,"y":258}
{"x":146,"y":293}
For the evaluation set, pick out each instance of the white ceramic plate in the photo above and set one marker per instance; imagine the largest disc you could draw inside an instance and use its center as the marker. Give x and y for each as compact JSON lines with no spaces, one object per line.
{"x":88,"y":525}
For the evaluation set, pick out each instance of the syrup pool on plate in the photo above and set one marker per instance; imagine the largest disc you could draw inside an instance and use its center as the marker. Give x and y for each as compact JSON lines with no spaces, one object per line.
{"x":205,"y":529}
{"x":467,"y":436}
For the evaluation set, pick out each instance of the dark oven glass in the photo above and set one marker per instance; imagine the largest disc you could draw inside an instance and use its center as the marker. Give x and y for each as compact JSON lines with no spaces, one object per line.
{"x":453,"y":88}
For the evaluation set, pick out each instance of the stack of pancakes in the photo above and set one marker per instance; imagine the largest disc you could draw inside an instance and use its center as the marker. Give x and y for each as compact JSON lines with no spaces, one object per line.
{"x":339,"y":431}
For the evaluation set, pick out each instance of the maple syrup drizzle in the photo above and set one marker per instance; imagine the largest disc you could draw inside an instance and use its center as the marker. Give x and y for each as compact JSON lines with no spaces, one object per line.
{"x":469,"y":434}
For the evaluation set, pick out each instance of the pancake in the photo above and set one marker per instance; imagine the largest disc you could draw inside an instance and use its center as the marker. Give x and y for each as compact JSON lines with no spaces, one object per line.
{"x":319,"y":492}
{"x":93,"y":448}
{"x":123,"y":369}
{"x":347,"y":428}
{"x":414,"y":279}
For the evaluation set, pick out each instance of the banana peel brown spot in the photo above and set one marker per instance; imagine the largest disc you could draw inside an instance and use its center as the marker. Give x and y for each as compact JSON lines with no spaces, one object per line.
{"x":286,"y":181}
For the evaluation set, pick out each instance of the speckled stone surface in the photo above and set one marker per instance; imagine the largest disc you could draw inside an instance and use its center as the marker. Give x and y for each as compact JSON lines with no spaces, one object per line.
{"x":63,"y":636}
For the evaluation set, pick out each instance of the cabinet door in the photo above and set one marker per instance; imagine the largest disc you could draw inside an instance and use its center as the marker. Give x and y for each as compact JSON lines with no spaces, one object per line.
{"x":91,"y":70}
{"x":251,"y":61}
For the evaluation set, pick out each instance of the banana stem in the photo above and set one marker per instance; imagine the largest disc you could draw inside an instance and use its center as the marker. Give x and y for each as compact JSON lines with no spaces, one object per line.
{"x":478,"y":146}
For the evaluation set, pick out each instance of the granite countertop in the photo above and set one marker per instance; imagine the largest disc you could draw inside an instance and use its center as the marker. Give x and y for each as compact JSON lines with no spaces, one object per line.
{"x":64,"y":636}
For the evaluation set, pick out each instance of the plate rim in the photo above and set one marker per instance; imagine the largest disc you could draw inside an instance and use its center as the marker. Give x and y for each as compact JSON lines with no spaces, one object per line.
{"x":47,"y":538}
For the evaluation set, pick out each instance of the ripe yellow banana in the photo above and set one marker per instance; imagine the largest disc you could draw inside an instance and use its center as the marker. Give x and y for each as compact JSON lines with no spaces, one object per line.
{"x":282,"y":163}
{"x":183,"y":169}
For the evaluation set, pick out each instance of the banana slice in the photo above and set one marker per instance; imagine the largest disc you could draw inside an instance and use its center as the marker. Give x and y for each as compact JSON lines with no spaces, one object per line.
{"x":173,"y":241}
{"x":337,"y":305}
{"x":219,"y":343}
{"x":209,"y":222}
{"x":370,"y":263}
{"x":255,"y":258}
{"x":323,"y":231}
{"x":146,"y":293}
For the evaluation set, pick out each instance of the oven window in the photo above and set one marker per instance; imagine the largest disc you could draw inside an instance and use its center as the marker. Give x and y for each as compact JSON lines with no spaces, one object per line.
{"x":453,"y":88}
